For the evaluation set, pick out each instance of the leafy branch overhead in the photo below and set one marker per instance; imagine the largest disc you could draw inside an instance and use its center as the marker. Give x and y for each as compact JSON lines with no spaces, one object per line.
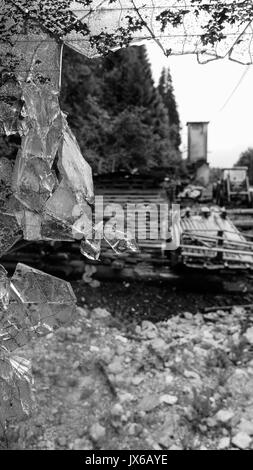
{"x":178,"y":27}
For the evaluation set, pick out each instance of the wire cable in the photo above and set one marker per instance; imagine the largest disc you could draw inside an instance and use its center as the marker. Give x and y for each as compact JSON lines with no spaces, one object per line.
{"x":235,"y":88}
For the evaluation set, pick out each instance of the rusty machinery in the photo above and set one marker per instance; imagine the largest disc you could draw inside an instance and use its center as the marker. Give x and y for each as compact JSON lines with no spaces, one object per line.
{"x":233,"y":187}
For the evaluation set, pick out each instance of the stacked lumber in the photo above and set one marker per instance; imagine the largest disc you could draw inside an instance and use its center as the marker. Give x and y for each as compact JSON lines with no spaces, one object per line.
{"x":64,"y":258}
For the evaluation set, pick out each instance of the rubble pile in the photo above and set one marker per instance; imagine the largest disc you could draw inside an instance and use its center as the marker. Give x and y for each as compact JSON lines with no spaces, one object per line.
{"x":184,"y":383}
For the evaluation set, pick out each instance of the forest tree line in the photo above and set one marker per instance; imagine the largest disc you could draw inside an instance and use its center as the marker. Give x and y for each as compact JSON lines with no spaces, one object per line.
{"x":122,"y":121}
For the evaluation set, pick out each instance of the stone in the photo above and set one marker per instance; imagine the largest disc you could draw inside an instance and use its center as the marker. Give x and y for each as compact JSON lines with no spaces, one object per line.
{"x":249,"y":335}
{"x":203,"y":428}
{"x":224,"y":443}
{"x":72,"y":381}
{"x":137,"y":380}
{"x":86,"y":382}
{"x":246,"y":426}
{"x":131,"y":429}
{"x":210,"y":316}
{"x":100,"y":313}
{"x":211,"y":422}
{"x":168,"y":399}
{"x":81,"y":444}
{"x":224,"y":416}
{"x":242,"y":440}
{"x":82,"y":312}
{"x":190,"y":374}
{"x":121,"y":338}
{"x":117,"y":410}
{"x":198,"y":318}
{"x":175,"y":447}
{"x":187,"y":315}
{"x":62,"y":441}
{"x":158,"y":344}
{"x":126,"y":397}
{"x":97,"y":432}
{"x":169,"y":379}
{"x":149,"y":402}
{"x":120,"y":350}
{"x":115,"y":367}
{"x":165,"y":440}
{"x":148,"y":329}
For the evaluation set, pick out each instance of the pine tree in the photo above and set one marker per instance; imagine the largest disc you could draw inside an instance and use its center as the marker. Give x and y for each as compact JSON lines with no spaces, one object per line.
{"x":166,"y":91}
{"x":116,"y":111}
{"x":128,"y":85}
{"x":128,"y":82}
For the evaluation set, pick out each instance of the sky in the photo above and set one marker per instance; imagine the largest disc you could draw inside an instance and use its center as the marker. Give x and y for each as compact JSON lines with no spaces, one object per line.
{"x":201,"y":93}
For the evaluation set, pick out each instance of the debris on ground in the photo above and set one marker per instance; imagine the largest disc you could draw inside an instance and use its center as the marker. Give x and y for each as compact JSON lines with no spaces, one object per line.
{"x":182,"y":383}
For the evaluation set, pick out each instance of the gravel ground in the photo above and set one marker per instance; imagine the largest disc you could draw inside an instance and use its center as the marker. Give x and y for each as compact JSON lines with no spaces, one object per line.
{"x":181,"y":382}
{"x":132,"y":302}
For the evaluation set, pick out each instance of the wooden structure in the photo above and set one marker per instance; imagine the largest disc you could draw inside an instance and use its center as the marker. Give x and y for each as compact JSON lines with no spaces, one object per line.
{"x":141,"y":198}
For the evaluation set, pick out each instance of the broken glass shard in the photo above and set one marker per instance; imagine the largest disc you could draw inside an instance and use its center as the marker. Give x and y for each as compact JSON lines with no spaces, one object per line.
{"x":60,"y":205}
{"x":33,"y":181}
{"x":74,"y":168}
{"x":26,"y":322}
{"x":34,"y":286}
{"x":39,"y":303}
{"x":30,"y":223}
{"x":15,"y":388}
{"x":63,"y":206}
{"x":55,"y":230}
{"x":10,"y":232}
{"x":91,"y":248}
{"x":5,"y":171}
{"x":119,"y":241}
{"x":5,"y":183}
{"x":4,"y":288}
{"x":82,"y":227}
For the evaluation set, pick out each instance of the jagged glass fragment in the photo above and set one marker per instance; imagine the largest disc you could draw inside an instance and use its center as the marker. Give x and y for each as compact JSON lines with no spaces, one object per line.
{"x":33,"y":181}
{"x":30,"y":223}
{"x":15,"y":388}
{"x":82,"y":227}
{"x":30,"y":55}
{"x":91,"y":248}
{"x":4,"y":288}
{"x":26,"y":322}
{"x":42,"y":123}
{"x":74,"y":168}
{"x":74,"y":216}
{"x":34,"y":286}
{"x":60,"y":205}
{"x":5,"y":183}
{"x":39,"y":303}
{"x":10,"y":232}
{"x":10,"y":96}
{"x":5,"y":171}
{"x":55,"y":230}
{"x":119,"y":241}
